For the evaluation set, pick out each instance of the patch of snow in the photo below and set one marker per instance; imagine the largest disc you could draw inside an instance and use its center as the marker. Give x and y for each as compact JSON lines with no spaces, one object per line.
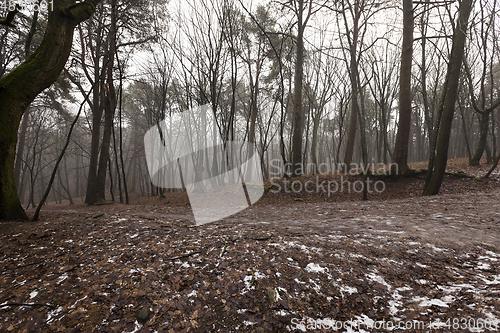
{"x":377,"y":278}
{"x":395,"y":303}
{"x":486,"y":258}
{"x":136,"y":328}
{"x":33,"y":294}
{"x":282,"y":313}
{"x":425,"y":302}
{"x":312,"y":267}
{"x":483,"y":265}
{"x":62,"y":278}
{"x":389,"y":231}
{"x":298,"y":281}
{"x":52,"y":314}
{"x":249,"y":279}
{"x":495,"y":281}
{"x":349,"y":290}
{"x":81,"y":299}
{"x":493,"y":254}
{"x":437,"y":249}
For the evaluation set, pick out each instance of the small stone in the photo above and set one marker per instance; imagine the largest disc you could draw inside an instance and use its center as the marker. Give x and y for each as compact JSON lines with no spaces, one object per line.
{"x":142,"y":315}
{"x":233,"y":238}
{"x":271,"y":294}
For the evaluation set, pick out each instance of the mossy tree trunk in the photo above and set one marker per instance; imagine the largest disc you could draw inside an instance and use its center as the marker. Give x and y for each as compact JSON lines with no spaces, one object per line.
{"x":20,"y":87}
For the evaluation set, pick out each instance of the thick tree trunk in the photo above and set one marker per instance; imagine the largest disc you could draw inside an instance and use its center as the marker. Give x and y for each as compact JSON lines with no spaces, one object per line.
{"x":20,"y":148}
{"x":450,"y":98}
{"x":20,"y":87}
{"x":94,"y":147}
{"x":404,"y":124}
{"x":483,"y":135}
{"x":97,"y":110}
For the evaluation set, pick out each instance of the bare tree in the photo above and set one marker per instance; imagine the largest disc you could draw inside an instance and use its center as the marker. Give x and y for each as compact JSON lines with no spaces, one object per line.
{"x":450,"y":98}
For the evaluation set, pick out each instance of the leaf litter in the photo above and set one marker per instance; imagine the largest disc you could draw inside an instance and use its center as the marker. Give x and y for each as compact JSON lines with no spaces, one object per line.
{"x":426,"y":259}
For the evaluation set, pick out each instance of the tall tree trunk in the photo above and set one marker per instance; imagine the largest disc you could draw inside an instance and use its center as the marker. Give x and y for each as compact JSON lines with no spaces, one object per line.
{"x":109,"y":111}
{"x":353,"y":118}
{"x":298,"y":112}
{"x":20,"y":87}
{"x":450,"y":98}
{"x":404,"y":124}
{"x":94,"y":144}
{"x":97,"y":110}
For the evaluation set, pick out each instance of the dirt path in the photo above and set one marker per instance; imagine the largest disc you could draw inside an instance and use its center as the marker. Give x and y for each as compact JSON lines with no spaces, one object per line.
{"x":271,"y":268}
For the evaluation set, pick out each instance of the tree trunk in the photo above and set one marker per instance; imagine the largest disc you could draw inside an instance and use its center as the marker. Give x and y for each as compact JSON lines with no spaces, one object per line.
{"x":404,"y":124}
{"x":109,"y":112}
{"x":94,"y":147}
{"x":314,"y":143}
{"x":20,"y":87}
{"x":483,"y":135}
{"x":353,"y":118}
{"x":450,"y":98}
{"x":20,"y":148}
{"x":24,"y":126}
{"x":298,"y":112}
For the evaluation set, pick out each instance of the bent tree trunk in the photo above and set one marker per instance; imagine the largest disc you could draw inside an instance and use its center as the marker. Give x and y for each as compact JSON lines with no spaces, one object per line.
{"x":20,"y":87}
{"x":450,"y":98}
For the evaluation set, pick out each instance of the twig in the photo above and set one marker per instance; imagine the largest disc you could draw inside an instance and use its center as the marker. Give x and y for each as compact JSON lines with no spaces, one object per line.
{"x":27,"y":265}
{"x":184,"y":255}
{"x":26,"y":304}
{"x":223,"y":250}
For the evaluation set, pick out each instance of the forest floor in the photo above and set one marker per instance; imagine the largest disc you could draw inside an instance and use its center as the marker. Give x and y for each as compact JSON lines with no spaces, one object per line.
{"x":292,"y":262}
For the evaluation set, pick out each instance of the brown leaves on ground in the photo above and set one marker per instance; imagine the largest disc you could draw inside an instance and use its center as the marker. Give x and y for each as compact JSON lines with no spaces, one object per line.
{"x":270,"y":268}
